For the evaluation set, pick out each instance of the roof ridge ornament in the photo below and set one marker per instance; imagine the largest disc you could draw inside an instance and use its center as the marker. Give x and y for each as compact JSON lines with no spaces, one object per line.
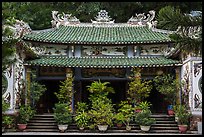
{"x":63,"y":19}
{"x":142,"y":20}
{"x":102,"y":18}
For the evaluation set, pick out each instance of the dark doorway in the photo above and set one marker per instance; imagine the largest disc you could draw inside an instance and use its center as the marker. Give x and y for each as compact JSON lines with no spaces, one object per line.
{"x":118,"y":86}
{"x":157,"y":101}
{"x":48,"y":99}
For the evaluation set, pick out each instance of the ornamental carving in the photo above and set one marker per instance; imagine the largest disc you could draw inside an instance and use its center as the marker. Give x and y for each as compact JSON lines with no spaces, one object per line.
{"x":22,"y":28}
{"x":103,"y":17}
{"x":63,"y":19}
{"x":143,"y":20}
{"x":197,"y":68}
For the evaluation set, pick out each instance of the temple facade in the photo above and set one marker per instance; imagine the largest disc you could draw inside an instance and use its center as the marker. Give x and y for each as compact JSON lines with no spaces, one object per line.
{"x":101,"y":49}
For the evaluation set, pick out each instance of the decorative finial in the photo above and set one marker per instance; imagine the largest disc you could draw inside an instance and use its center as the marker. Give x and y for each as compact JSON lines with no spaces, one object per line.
{"x":63,"y":19}
{"x":102,"y":17}
{"x":142,"y":20}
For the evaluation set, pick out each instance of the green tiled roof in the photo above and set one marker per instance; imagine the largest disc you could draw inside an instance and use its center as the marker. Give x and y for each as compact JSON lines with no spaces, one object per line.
{"x":102,"y":62}
{"x":82,"y":34}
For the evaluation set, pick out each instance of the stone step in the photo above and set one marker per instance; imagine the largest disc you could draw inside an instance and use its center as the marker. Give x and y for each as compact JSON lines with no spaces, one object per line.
{"x":41,"y":130}
{"x":42,"y":118}
{"x":40,"y":123}
{"x":165,"y":125}
{"x":42,"y":127}
{"x":165,"y":122}
{"x":164,"y":131}
{"x":164,"y":128}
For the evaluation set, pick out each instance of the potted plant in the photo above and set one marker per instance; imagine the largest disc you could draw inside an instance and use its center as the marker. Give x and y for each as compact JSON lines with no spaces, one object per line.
{"x":168,"y":86}
{"x":144,"y":105}
{"x":102,"y":113}
{"x":25,"y":113}
{"x":101,"y":106}
{"x":183,"y":118}
{"x":82,"y":117}
{"x":62,"y":115}
{"x":144,"y":120}
{"x":119,"y":119}
{"x":138,"y":89}
{"x":127,"y":110}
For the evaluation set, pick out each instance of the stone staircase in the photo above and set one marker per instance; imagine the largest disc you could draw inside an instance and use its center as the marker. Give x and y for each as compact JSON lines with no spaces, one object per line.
{"x":46,"y":123}
{"x":42,"y":123}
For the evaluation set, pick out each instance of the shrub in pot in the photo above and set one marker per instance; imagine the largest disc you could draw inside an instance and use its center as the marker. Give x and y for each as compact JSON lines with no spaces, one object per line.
{"x":102,"y":113}
{"x":62,"y":115}
{"x":144,"y":120}
{"x":127,"y":110}
{"x":82,"y":117}
{"x":119,"y":119}
{"x":183,"y":118}
{"x":25,"y":113}
{"x":102,"y":110}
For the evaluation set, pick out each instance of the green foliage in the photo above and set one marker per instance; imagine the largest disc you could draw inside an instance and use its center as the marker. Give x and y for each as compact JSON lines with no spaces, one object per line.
{"x":100,"y":88}
{"x":184,"y":39}
{"x":82,"y":117}
{"x":138,"y":89}
{"x":62,"y":113}
{"x":127,"y":110}
{"x":7,"y":121}
{"x":143,"y":118}
{"x":37,"y":89}
{"x":183,"y":115}
{"x":102,"y":111}
{"x":119,"y":118}
{"x":25,"y":113}
{"x":101,"y":106}
{"x":5,"y":105}
{"x":168,"y":86}
{"x":144,"y":105}
{"x":66,"y":91}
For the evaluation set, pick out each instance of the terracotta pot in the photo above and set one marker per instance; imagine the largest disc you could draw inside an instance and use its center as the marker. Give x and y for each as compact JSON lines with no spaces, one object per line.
{"x":119,"y":125}
{"x":170,"y":112}
{"x":22,"y":126}
{"x":138,"y":110}
{"x":183,"y":128}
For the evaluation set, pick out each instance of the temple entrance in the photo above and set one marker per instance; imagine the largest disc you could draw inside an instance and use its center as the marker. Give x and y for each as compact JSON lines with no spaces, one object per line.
{"x":48,"y":99}
{"x":119,"y":87}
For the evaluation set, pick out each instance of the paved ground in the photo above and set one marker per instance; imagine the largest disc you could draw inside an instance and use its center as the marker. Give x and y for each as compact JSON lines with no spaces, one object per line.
{"x":54,"y":133}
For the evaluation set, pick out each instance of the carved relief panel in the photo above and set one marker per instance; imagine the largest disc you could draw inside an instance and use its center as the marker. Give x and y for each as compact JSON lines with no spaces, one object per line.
{"x":104,"y":51}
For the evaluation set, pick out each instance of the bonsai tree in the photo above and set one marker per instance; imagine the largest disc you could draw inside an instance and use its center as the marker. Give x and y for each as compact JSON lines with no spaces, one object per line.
{"x":138,"y":89}
{"x":82,"y":117}
{"x":168,"y":86}
{"x":127,"y":111}
{"x":62,"y":115}
{"x":144,"y":120}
